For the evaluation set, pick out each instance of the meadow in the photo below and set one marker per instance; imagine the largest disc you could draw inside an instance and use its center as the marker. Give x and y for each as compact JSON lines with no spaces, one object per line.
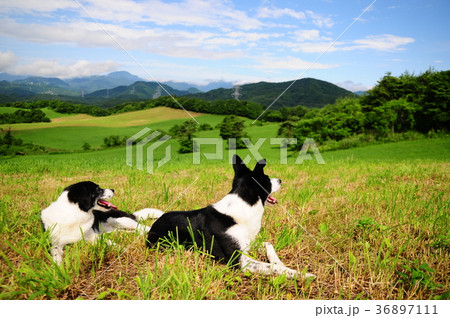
{"x":370,"y":223}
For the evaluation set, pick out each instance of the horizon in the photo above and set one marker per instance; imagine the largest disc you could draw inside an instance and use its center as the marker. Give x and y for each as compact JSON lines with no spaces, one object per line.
{"x":351,"y":44}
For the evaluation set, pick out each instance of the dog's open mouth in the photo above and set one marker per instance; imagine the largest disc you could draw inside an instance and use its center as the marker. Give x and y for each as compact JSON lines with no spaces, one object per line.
{"x":271,"y":200}
{"x":105,"y":204}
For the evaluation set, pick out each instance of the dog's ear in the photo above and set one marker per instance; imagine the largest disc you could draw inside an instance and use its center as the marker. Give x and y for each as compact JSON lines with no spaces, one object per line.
{"x":260,"y":166}
{"x":236,"y":159}
{"x":239,"y":167}
{"x":79,"y":193}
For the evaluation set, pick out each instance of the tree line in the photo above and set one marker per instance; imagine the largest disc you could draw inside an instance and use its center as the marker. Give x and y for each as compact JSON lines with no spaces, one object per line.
{"x":395,"y":105}
{"x":24,"y":116}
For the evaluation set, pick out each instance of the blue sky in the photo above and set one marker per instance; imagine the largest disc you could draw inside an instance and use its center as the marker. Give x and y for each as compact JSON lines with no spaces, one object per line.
{"x":239,"y":41}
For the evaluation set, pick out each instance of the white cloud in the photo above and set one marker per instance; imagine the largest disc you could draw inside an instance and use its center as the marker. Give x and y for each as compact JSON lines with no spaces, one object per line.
{"x":50,"y":68}
{"x":27,"y":6}
{"x":276,"y":13}
{"x":384,"y":42}
{"x":354,"y":87}
{"x":289,"y":63}
{"x":172,"y":43}
{"x":7,"y":60}
{"x":319,"y":20}
{"x":306,"y":35}
{"x":213,"y":13}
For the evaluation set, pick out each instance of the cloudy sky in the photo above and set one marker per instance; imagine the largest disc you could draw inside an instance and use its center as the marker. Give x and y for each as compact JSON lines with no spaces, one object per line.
{"x":239,"y":41}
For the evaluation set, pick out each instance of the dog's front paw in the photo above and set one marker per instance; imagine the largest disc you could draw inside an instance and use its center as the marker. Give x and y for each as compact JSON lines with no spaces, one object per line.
{"x":308,"y":275}
{"x":148,"y":213}
{"x":290,"y":273}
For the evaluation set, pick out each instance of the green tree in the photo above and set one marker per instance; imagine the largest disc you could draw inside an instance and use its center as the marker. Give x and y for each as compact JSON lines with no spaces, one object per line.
{"x":86,"y":146}
{"x":185,"y":133}
{"x":233,"y":128}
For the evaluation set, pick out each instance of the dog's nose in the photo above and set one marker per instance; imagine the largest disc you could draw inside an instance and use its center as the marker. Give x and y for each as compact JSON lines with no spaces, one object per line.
{"x":112,"y":190}
{"x":279,"y":181}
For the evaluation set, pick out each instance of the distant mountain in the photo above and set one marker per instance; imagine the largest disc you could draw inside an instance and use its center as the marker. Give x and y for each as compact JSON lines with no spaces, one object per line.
{"x":42,"y":81}
{"x":307,"y":92}
{"x":136,"y":91}
{"x":120,"y":87}
{"x":183,"y":86}
{"x":22,"y":89}
{"x":10,"y":92}
{"x":98,"y":82}
{"x":10,"y":77}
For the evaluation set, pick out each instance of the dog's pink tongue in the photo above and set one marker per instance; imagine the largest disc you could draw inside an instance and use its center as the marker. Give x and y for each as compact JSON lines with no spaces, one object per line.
{"x":107,"y":204}
{"x":271,"y":200}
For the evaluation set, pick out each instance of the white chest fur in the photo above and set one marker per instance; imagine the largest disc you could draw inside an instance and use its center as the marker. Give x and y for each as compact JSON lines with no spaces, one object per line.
{"x":248,"y":218}
{"x":65,"y":219}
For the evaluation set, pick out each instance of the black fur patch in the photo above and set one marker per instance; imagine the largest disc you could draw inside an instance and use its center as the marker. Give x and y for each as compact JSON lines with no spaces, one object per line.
{"x":84,"y":193}
{"x":100,"y":216}
{"x":251,"y":186}
{"x":206,"y":227}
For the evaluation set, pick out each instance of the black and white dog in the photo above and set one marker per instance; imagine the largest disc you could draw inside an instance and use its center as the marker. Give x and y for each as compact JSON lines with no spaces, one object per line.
{"x":227,"y":228}
{"x":82,"y":212}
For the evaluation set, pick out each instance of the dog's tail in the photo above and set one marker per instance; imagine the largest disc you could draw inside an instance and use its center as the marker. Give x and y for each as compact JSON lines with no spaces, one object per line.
{"x":147,"y":213}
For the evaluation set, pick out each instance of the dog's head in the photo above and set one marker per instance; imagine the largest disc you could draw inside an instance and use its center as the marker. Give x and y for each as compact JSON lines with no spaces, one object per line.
{"x":88,"y":195}
{"x":254,"y":185}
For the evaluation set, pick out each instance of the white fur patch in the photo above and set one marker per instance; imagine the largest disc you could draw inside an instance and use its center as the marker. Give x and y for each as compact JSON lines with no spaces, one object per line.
{"x":276,"y":184}
{"x":107,"y":194}
{"x":66,"y":221}
{"x":248,"y":218}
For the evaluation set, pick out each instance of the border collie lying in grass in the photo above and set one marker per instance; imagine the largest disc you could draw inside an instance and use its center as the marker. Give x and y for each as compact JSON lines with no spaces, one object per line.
{"x":82,"y":212}
{"x":227,"y":228}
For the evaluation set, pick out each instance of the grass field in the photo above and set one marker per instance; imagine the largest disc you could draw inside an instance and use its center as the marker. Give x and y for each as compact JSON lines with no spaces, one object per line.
{"x":371,"y":223}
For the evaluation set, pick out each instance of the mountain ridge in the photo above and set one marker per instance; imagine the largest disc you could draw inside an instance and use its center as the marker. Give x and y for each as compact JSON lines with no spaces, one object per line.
{"x":307,"y":92}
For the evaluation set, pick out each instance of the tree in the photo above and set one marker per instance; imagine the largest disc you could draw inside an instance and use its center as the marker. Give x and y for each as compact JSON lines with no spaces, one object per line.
{"x":86,"y":146}
{"x":114,"y":141}
{"x":185,"y":134}
{"x":233,"y":128}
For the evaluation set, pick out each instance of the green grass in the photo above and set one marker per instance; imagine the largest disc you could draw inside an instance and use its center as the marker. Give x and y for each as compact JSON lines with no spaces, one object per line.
{"x":370,"y":223}
{"x":381,"y":212}
{"x":7,"y":110}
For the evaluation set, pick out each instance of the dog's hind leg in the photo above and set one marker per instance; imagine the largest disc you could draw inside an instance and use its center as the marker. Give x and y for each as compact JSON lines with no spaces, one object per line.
{"x":258,"y":267}
{"x":124,"y":223}
{"x":275,"y":267}
{"x":148,"y":213}
{"x":271,"y":254}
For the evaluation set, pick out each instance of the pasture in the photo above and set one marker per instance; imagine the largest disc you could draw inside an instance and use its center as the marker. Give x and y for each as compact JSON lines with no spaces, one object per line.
{"x":371,"y":223}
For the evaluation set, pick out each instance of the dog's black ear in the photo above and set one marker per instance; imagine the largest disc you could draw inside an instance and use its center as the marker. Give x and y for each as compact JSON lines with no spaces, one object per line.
{"x":239,"y":167}
{"x":260,"y":166}
{"x":236,"y":159}
{"x":81,"y":193}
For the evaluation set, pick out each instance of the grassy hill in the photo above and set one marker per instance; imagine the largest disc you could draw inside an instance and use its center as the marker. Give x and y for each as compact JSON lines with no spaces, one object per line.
{"x":70,"y":132}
